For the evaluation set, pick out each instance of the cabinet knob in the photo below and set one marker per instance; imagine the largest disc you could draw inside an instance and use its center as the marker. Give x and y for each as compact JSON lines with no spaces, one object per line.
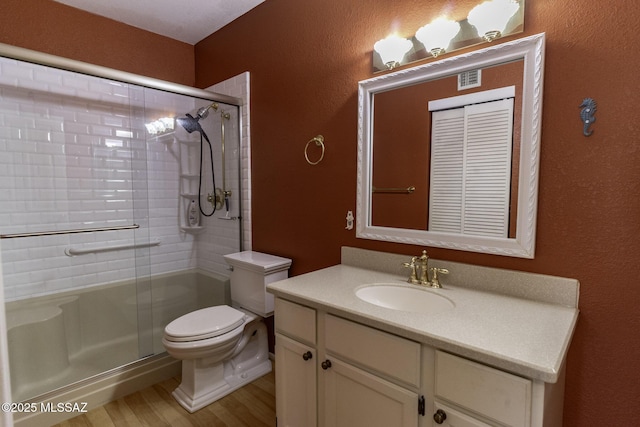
{"x":326,"y":364}
{"x":439,"y":416}
{"x":308,"y":355}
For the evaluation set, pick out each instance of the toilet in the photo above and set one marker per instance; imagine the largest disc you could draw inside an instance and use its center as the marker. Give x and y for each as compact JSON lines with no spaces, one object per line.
{"x":223,"y":348}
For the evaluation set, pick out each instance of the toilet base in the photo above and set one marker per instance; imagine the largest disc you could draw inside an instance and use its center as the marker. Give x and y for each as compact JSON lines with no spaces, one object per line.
{"x":195,"y":395}
{"x":206,"y":380}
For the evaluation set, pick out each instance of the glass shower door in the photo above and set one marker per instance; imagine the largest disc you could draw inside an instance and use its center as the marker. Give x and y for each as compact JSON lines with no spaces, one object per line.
{"x":193,"y":148}
{"x":73,"y":218}
{"x":98,"y":252}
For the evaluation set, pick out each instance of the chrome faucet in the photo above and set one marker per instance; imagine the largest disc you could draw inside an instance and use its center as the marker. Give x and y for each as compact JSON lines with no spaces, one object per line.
{"x":422,"y":264}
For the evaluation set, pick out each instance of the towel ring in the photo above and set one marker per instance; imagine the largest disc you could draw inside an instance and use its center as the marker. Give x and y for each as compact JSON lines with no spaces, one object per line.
{"x":319,"y":140}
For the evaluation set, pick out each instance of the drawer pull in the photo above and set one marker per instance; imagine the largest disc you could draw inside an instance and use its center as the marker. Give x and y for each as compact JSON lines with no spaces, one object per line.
{"x":439,"y":416}
{"x":326,"y":364}
{"x":308,"y":355}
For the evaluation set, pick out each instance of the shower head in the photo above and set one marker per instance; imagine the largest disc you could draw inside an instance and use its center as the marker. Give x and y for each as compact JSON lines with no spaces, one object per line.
{"x":189,"y":123}
{"x":203,"y":112}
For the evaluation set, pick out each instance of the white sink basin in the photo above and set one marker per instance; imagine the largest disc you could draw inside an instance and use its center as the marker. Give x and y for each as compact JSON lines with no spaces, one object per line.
{"x":404,"y":298}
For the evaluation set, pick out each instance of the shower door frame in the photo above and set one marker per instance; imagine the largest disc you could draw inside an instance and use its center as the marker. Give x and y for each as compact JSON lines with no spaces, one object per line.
{"x":40,"y":58}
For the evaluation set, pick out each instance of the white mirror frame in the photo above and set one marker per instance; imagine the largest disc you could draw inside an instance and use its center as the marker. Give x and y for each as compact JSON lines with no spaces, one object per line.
{"x":531,"y":49}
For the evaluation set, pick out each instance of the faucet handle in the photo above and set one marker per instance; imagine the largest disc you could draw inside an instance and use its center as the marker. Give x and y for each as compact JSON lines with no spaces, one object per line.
{"x":435,"y":282}
{"x":413,"y":277}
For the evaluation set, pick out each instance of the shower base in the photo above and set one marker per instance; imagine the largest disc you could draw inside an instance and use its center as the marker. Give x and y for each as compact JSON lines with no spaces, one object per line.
{"x":100,"y":389}
{"x":62,"y":342}
{"x":83,"y":365}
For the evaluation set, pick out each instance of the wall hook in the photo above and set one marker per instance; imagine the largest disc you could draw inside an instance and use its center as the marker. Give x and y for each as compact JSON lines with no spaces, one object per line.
{"x":587,"y":115}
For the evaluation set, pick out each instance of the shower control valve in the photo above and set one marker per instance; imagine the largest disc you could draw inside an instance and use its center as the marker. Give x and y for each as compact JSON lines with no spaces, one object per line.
{"x":216,"y":199}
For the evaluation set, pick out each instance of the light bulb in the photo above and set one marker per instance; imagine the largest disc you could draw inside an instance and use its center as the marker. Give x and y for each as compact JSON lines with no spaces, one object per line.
{"x":392,"y":50}
{"x":491,"y":17}
{"x":437,"y":35}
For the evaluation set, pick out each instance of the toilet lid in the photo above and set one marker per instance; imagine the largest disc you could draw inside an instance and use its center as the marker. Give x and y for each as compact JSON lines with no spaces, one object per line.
{"x":205,"y":323}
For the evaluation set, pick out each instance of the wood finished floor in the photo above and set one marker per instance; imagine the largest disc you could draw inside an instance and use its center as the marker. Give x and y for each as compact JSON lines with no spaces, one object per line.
{"x":253,"y":405}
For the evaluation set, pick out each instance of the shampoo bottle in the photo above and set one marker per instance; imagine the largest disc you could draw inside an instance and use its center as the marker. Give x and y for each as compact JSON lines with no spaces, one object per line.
{"x":193,"y":216}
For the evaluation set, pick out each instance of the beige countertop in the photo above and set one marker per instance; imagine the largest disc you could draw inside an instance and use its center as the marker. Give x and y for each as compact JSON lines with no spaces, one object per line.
{"x":527,"y":337}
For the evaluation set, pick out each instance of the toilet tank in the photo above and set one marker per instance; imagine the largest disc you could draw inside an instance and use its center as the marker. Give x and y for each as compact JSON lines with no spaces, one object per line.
{"x":250,"y":275}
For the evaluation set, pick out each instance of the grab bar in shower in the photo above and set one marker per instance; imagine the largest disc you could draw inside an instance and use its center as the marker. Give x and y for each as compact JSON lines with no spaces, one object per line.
{"x":73,"y":252}
{"x":56,"y":232}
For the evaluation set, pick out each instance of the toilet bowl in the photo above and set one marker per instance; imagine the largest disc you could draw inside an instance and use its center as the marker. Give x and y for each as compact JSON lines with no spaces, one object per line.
{"x":223,"y":348}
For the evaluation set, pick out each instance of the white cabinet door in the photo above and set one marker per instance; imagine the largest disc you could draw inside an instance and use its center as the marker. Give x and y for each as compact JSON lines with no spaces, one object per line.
{"x":355,"y":398}
{"x":295,"y":383}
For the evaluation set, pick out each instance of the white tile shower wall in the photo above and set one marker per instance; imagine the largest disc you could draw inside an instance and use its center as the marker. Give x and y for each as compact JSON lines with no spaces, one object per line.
{"x":70,"y":157}
{"x":220,"y":237}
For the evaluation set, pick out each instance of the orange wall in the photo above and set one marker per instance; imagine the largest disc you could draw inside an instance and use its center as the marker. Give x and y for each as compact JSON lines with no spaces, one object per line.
{"x":53,"y":28}
{"x":305,"y":60}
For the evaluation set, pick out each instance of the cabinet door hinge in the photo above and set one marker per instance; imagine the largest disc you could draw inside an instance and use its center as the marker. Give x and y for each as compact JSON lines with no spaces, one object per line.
{"x":421,"y":406}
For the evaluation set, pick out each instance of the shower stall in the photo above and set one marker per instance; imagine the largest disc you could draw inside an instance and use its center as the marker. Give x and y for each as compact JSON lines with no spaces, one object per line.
{"x":99,"y":241}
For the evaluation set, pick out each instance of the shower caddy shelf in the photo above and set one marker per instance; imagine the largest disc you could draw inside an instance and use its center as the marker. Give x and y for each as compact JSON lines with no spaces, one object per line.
{"x":188,"y":181}
{"x":193,"y":230}
{"x":186,"y":178}
{"x":189,"y":195}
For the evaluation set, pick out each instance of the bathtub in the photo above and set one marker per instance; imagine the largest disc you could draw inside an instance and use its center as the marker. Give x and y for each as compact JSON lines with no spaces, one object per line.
{"x":66,"y":339}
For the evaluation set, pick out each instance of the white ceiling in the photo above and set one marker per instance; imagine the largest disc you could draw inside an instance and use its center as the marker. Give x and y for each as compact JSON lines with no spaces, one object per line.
{"x":186,"y":20}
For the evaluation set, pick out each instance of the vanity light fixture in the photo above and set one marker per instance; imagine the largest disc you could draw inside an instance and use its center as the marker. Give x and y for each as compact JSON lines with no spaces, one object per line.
{"x":392,"y":50}
{"x":491,"y":17}
{"x":486,"y":22}
{"x":437,"y":35}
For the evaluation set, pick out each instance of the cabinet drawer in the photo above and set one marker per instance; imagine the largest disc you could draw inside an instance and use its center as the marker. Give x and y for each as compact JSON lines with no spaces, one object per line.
{"x":498,"y":395}
{"x":457,"y":419}
{"x":388,"y":354}
{"x":295,"y":321}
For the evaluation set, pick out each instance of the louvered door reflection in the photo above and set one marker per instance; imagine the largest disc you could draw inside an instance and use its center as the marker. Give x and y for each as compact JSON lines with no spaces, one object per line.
{"x":471,"y":169}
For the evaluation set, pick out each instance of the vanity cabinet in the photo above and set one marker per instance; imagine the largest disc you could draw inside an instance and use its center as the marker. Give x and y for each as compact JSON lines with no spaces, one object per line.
{"x":335,"y":372}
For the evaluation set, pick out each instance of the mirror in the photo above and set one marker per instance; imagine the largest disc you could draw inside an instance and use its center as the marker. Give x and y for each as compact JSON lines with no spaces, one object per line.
{"x":395,"y":199}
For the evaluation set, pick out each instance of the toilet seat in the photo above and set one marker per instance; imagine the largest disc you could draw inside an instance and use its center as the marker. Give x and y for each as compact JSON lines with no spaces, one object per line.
{"x":203,"y":324}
